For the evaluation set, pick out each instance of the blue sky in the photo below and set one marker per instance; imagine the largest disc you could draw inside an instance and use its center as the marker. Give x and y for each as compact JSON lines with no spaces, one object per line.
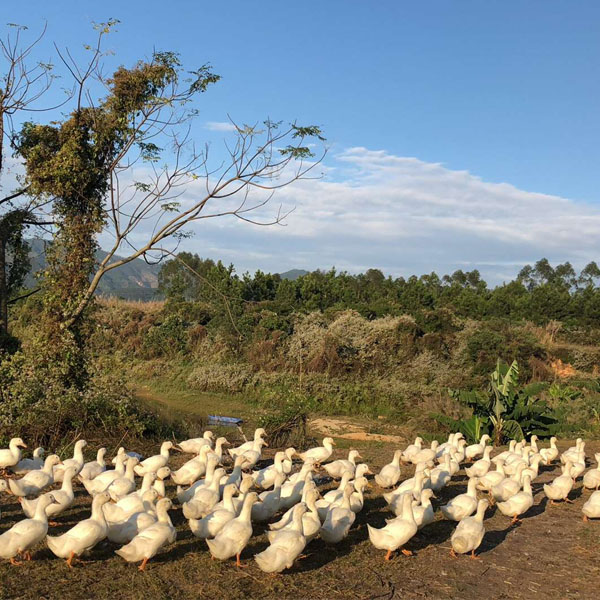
{"x":482,"y":93}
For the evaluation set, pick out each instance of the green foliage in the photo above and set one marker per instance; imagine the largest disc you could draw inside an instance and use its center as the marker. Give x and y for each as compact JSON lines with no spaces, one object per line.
{"x":169,"y":338}
{"x":512,"y":412}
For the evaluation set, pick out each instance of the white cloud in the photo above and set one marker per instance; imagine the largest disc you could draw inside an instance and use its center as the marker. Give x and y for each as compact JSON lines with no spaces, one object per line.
{"x":405,"y":216}
{"x":220,"y":126}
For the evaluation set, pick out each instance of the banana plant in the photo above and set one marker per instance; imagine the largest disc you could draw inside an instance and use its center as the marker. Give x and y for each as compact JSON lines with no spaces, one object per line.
{"x":511,"y":412}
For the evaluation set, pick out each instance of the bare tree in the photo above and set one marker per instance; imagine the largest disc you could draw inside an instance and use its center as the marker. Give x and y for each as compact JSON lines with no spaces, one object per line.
{"x":23,"y":83}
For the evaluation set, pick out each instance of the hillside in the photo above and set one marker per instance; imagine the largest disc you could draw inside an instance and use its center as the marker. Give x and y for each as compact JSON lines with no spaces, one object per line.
{"x":136,"y":280}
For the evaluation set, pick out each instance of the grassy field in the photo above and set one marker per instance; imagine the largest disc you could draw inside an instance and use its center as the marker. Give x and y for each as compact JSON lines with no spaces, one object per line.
{"x":551,"y":554}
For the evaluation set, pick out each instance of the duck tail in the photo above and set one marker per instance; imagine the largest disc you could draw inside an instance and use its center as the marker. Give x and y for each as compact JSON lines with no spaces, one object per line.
{"x":460,"y":544}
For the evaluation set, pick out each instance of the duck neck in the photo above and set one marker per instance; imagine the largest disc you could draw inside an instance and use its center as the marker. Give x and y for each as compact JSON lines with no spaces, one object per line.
{"x":246,"y":511}
{"x":163,"y":514}
{"x":67,"y":484}
{"x":129,"y":470}
{"x":40,"y":511}
{"x":100,"y":457}
{"x":147,"y":482}
{"x":297,"y":521}
{"x":97,"y":512}
{"x":78,"y":454}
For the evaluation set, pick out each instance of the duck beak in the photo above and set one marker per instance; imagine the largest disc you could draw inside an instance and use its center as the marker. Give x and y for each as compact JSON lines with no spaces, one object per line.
{"x":23,"y":445}
{"x":266,"y":445}
{"x":333,"y":443}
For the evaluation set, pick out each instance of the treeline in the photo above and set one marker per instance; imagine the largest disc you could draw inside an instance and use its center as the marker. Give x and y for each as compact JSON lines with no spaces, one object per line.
{"x":540,"y":293}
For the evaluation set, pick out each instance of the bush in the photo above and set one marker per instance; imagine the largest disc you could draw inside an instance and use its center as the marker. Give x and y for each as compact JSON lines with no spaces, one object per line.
{"x":215,"y":377}
{"x":36,"y":406}
{"x":167,"y":339}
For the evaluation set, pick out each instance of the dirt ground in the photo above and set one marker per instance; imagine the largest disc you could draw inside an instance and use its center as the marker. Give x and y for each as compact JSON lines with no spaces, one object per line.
{"x":551,"y":554}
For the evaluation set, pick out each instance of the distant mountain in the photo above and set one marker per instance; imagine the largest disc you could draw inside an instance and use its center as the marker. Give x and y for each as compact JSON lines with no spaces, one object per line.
{"x":135,"y":280}
{"x":293,"y":274}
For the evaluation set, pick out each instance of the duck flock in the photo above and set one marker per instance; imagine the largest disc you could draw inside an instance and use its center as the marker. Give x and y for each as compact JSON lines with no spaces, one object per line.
{"x":222,"y":506}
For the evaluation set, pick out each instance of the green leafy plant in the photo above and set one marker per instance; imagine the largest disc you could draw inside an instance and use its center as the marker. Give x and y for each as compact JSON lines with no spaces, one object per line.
{"x":512,"y":412}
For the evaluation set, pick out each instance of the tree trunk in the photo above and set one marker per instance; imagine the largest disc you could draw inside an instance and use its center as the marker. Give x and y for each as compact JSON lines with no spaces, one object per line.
{"x":3,"y":291}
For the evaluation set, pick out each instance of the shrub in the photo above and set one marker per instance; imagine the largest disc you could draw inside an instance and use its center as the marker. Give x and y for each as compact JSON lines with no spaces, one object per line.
{"x":167,"y":339}
{"x":215,"y":377}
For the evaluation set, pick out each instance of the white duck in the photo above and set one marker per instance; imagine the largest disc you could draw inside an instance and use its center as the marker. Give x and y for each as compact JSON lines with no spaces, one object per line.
{"x":475,"y":450}
{"x":425,"y":455}
{"x":252,"y":456}
{"x":121,"y":486}
{"x":440,"y":476}
{"x":458,"y":455}
{"x":549,"y":455}
{"x":492,"y":478}
{"x":396,"y":532}
{"x":579,"y":465}
{"x":122,"y":532}
{"x":154,"y":463}
{"x":30,"y":464}
{"x":93,"y":468}
{"x":26,"y":533}
{"x":591,"y":509}
{"x":468,"y":535}
{"x":214,"y":521}
{"x":311,"y":522}
{"x":414,"y":485}
{"x":520,"y":503}
{"x":193,"y":469}
{"x":185,"y":495}
{"x":319,"y":454}
{"x":390,"y":473}
{"x":286,"y":545}
{"x":236,"y":474}
{"x":534,"y":467}
{"x":591,"y":480}
{"x":62,"y":499}
{"x":265,"y":478}
{"x":218,"y":449}
{"x":288,"y":461}
{"x":423,"y":512}
{"x":450,"y":446}
{"x":235,"y":534}
{"x":35,"y":482}
{"x":149,"y":541}
{"x":337,"y":468}
{"x":561,"y":486}
{"x":159,"y":483}
{"x":238,"y":501}
{"x":85,"y":535}
{"x":482,"y":466}
{"x":357,"y":499}
{"x":509,"y":486}
{"x":128,"y":505}
{"x":10,"y":456}
{"x":572,"y":452}
{"x":339,"y":519}
{"x":286,"y":518}
{"x":204,"y":499}
{"x":507,"y":453}
{"x":269,"y":502}
{"x":463,"y":505}
{"x":76,"y":462}
{"x":259,"y":434}
{"x":412,"y":449}
{"x":104,"y":479}
{"x":291,"y":493}
{"x":195,"y":445}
